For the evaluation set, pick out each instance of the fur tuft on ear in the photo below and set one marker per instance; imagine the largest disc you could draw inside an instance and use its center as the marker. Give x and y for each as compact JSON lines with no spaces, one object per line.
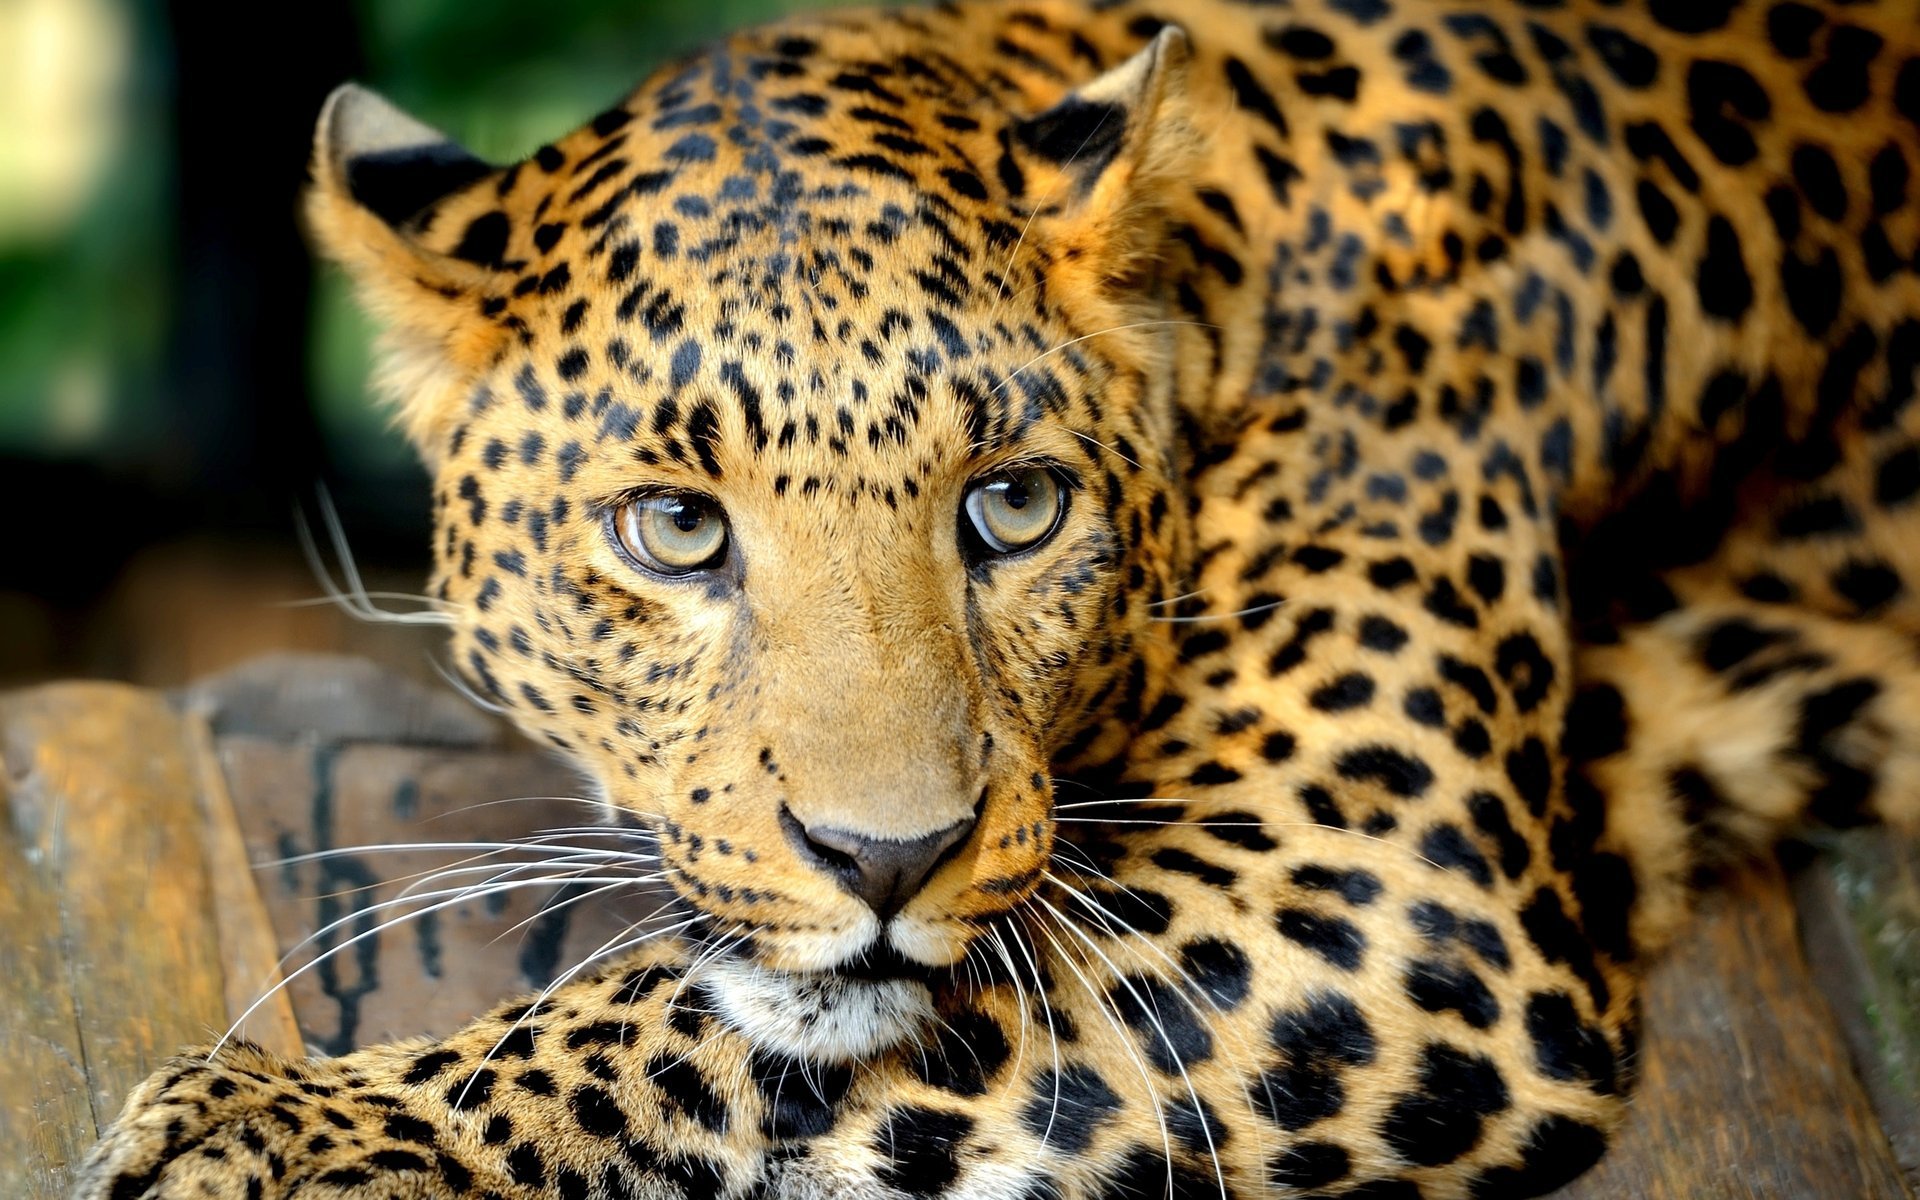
{"x":381,"y":182}
{"x":1115,"y":145}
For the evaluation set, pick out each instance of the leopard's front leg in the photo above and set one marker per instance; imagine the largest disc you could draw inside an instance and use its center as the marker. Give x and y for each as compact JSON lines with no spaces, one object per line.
{"x":610,"y":1083}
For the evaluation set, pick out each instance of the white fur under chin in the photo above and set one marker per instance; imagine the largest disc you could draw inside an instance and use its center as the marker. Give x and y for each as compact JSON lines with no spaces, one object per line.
{"x":820,"y":1018}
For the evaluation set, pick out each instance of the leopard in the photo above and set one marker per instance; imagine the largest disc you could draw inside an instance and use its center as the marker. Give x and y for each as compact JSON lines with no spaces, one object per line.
{"x":1186,"y":592}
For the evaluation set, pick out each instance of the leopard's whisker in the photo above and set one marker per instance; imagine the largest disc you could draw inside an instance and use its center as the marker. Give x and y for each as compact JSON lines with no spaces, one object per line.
{"x":617,"y":809}
{"x":1019,"y":995}
{"x":1134,"y":938}
{"x":353,"y":598}
{"x":1151,"y":1011}
{"x":452,"y":679}
{"x":1104,"y":1007}
{"x":444,"y":898}
{"x":1053,"y":1034}
{"x":1202,"y":618}
{"x":1177,"y":599}
{"x":555,"y":903}
{"x":606,"y":949}
{"x":459,"y":896}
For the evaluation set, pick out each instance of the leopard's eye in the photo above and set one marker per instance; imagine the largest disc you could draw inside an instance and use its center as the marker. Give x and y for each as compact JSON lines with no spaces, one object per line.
{"x":673,"y":533}
{"x":1015,"y":509}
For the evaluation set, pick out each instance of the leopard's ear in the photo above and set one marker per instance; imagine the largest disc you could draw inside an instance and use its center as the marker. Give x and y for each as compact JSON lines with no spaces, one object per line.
{"x":1108,"y":155}
{"x":409,"y":213}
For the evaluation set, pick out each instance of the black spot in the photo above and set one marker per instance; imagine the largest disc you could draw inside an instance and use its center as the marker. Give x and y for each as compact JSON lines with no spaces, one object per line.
{"x":1791,"y":26}
{"x":1354,"y":885}
{"x":1218,"y":970}
{"x":964,"y":1053}
{"x":1662,"y":218}
{"x":526,"y":1167}
{"x":1242,"y":829}
{"x":1444,"y":601}
{"x":1820,"y":183}
{"x":1399,"y":773}
{"x":1172,"y":858}
{"x":1442,"y":1121}
{"x":1446,"y":847}
{"x":1692,"y":16}
{"x":1556,"y":1151}
{"x":800,"y":1096}
{"x":428,"y":1066}
{"x":1315,"y":1042}
{"x":1068,"y":1107}
{"x":485,"y":240}
{"x":1350,"y":691}
{"x":1816,"y":516}
{"x":1559,"y":940}
{"x":1897,"y":479}
{"x":1724,"y":100}
{"x":918,"y":1149}
{"x":1450,"y":987}
{"x":1134,"y":910}
{"x":1390,"y":573}
{"x":1726,"y":290}
{"x":1379,"y":633}
{"x":1172,"y":1033}
{"x":598,"y":1113}
{"x":1627,"y":59}
{"x":1531,"y":774}
{"x":1843,"y":81}
{"x":1335,"y":939}
{"x":1489,"y":815}
{"x":1085,"y":133}
{"x":1567,"y":1048}
{"x":685,"y":1088}
{"x":1525,"y":669}
{"x":1308,"y":1165}
{"x":1867,"y":584}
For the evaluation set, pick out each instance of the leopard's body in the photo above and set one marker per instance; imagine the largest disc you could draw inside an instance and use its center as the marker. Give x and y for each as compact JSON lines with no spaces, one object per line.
{"x":1491,"y":502}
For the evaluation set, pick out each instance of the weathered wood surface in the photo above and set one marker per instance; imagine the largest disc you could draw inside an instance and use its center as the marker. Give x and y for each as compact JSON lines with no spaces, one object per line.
{"x":111,"y":953}
{"x":430,"y":973}
{"x":1760,"y":1071}
{"x":1860,"y":907}
{"x":1746,"y":1087}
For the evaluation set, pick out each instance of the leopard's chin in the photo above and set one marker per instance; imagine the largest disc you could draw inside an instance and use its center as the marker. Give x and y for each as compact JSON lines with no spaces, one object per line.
{"x":824,"y":1017}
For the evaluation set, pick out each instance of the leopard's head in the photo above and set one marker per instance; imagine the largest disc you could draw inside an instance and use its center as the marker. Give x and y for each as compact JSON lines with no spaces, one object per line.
{"x":802,"y":443}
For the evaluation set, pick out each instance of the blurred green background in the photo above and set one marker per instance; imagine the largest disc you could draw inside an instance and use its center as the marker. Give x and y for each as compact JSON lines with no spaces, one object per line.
{"x":175,"y":373}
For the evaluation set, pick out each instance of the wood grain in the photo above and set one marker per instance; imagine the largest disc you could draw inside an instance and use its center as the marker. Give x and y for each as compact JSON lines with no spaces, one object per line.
{"x":1746,"y":1086}
{"x":110,"y":955}
{"x":433,"y":973}
{"x":1860,"y":905}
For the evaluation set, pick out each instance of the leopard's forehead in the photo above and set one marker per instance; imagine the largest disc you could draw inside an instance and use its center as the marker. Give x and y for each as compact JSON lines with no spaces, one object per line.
{"x":767,"y":259}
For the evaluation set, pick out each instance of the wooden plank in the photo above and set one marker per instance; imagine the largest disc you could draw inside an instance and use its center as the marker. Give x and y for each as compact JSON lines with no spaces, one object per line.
{"x":109,"y":951}
{"x":46,"y":1120}
{"x":1746,"y":1086}
{"x":433,"y":973}
{"x":249,"y":948}
{"x":1860,"y":902}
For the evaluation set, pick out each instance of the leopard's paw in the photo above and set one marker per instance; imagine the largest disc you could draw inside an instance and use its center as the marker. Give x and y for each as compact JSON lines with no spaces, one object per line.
{"x":185,"y":1131}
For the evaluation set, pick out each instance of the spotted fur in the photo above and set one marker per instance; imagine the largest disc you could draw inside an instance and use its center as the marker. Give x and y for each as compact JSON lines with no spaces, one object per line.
{"x":1489,"y":445}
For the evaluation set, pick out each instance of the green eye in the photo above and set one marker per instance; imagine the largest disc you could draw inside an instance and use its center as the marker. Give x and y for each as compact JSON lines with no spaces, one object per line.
{"x":1015,"y":509}
{"x":676,"y":533}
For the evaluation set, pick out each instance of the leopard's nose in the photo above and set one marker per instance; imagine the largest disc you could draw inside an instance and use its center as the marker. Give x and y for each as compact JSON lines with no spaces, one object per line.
{"x":885,"y":872}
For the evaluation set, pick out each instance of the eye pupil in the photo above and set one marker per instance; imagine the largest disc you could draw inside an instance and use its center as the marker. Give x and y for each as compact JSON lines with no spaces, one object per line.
{"x":1016,"y":496}
{"x":686,"y":518}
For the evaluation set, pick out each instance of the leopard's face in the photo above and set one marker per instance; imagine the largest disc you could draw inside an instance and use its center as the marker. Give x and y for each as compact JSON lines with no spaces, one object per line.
{"x":820,"y":611}
{"x":818,"y":520}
